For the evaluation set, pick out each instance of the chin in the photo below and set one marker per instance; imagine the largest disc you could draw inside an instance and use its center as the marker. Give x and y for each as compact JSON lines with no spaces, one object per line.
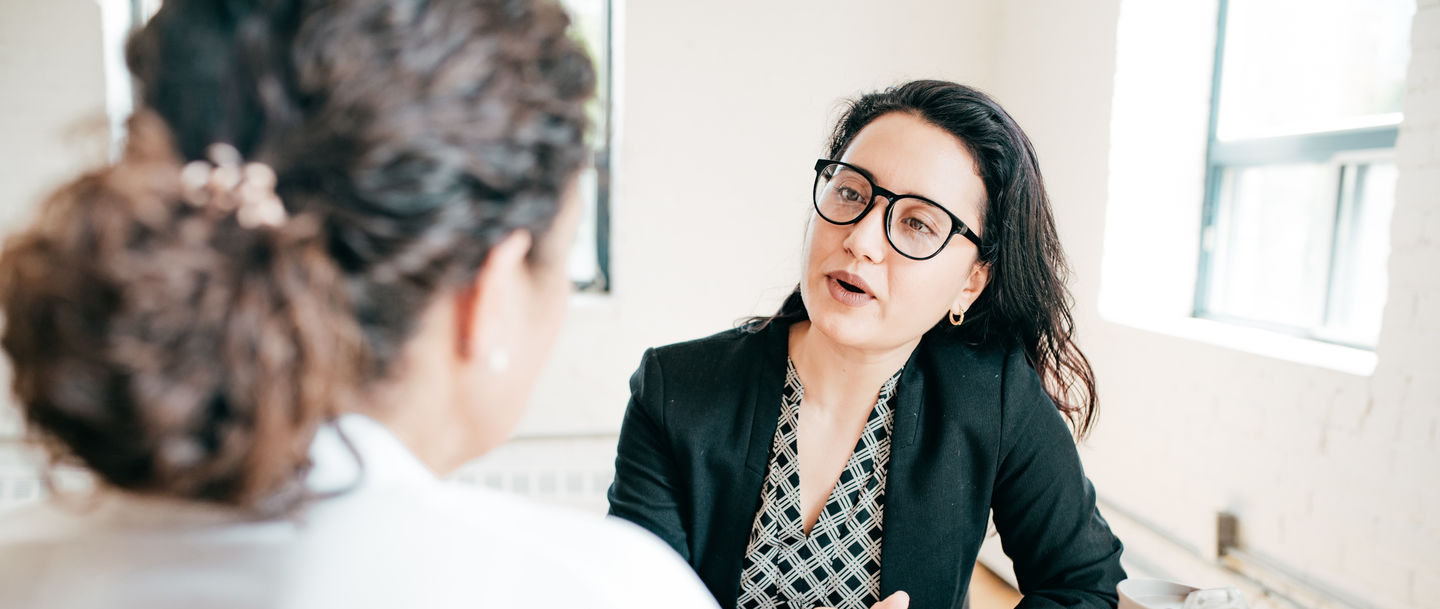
{"x":845,"y":327}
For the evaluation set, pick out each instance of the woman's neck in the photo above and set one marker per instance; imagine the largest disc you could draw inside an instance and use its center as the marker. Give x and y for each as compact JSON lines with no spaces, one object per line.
{"x":417,"y":403}
{"x":842,"y":378}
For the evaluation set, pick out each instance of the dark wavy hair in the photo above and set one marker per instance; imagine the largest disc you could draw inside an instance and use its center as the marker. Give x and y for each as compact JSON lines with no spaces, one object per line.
{"x":175,"y":352}
{"x":1026,"y":303}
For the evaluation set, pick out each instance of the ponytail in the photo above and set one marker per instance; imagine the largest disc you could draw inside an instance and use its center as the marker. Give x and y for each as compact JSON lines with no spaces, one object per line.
{"x":169,"y":347}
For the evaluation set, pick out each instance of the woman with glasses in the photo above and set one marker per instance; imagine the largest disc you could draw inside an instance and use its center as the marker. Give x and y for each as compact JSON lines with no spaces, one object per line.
{"x":846,"y":451}
{"x":325,"y":273}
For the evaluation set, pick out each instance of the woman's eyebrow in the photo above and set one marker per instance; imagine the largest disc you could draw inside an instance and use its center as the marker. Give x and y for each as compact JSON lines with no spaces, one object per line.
{"x":864,"y":172}
{"x":907,"y":195}
{"x":873,"y":180}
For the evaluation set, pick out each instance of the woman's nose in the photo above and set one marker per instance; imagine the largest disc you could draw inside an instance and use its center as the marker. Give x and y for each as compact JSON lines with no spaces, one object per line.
{"x":867,"y":237}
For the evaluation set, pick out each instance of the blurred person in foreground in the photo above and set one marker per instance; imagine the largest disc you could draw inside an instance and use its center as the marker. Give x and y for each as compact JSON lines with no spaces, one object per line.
{"x":846,"y":451}
{"x":324,"y":273}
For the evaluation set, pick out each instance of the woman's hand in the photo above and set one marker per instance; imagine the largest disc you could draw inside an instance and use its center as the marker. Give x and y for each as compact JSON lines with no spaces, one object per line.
{"x":898,"y":600}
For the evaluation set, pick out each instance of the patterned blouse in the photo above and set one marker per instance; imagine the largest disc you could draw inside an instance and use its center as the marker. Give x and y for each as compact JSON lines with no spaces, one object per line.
{"x":838,"y":564}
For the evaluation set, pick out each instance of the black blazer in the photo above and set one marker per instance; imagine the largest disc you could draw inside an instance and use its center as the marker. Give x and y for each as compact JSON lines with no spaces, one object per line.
{"x":974,"y":430}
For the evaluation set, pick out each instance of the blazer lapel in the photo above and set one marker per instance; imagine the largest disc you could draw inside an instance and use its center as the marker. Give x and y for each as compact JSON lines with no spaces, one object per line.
{"x":736,"y":506}
{"x":765,"y":401}
{"x":922,"y":541}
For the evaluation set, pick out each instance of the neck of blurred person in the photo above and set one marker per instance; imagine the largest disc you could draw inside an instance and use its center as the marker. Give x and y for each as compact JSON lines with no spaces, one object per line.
{"x":420,"y":402}
{"x":465,"y":376}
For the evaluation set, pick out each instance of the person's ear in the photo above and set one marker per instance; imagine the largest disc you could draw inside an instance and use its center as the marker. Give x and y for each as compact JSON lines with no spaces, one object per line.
{"x":969,"y":291}
{"x":493,"y":298}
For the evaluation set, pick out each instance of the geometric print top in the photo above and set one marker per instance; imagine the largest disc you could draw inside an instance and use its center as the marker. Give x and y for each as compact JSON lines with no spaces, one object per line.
{"x":838,"y":564}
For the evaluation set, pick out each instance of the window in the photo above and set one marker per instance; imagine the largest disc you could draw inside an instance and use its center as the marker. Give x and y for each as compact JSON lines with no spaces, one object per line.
{"x":589,"y":264}
{"x":1300,"y":181}
{"x":590,"y":258}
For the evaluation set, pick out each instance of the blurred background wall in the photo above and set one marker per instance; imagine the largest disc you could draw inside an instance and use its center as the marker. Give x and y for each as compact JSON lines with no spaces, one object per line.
{"x":1328,"y":456}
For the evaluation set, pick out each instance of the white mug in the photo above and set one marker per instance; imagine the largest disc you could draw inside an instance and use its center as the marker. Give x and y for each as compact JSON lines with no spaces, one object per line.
{"x":1152,"y":594}
{"x":1157,"y":594}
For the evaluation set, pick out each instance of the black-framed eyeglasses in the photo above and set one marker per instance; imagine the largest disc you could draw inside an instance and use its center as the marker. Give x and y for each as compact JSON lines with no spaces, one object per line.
{"x":916,"y":227}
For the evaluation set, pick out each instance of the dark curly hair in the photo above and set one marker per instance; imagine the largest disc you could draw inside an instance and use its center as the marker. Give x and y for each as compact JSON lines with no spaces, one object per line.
{"x":173,"y":351}
{"x":1026,"y":303}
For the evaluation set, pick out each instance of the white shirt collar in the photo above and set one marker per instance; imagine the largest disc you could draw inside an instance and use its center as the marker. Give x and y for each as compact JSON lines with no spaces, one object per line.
{"x":386,"y":460}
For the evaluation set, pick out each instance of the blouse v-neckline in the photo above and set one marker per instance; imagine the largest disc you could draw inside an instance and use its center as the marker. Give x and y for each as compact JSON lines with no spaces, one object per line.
{"x":844,"y":492}
{"x":838,"y":562}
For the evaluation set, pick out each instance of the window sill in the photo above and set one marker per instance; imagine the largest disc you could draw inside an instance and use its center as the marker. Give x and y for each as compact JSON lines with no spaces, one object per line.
{"x":1350,"y":360}
{"x":585,"y":300}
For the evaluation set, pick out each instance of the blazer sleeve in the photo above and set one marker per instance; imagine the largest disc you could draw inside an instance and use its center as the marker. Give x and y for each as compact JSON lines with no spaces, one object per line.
{"x":1044,"y":506}
{"x":646,"y":491}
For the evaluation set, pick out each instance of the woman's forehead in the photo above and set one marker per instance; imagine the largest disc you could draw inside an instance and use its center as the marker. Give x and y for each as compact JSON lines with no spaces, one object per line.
{"x":907,"y":155}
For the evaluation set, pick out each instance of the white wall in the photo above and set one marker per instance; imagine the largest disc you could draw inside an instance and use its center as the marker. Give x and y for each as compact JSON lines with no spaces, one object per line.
{"x":52,"y":97}
{"x":1331,"y":472}
{"x":52,"y":112}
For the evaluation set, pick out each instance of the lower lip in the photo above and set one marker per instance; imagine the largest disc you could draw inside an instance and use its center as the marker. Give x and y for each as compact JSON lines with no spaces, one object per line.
{"x":846,"y":297}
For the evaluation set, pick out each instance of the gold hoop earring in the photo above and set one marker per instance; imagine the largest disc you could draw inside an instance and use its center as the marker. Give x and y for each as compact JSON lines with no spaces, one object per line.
{"x":955,"y":321}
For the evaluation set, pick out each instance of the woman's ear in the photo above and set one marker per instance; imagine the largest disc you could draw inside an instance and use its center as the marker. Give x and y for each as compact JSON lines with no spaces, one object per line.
{"x":969,"y":291}
{"x":495,"y":295}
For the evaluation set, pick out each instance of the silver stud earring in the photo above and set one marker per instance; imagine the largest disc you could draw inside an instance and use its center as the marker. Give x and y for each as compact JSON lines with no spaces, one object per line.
{"x":498,"y":360}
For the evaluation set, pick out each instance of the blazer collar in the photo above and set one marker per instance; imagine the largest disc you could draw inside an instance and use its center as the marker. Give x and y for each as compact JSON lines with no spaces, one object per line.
{"x":736,"y":505}
{"x":765,"y":403}
{"x":911,"y":513}
{"x":926,"y":489}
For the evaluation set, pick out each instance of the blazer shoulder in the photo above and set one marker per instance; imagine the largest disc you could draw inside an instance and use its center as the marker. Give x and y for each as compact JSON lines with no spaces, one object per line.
{"x":718,"y":343}
{"x":952,"y":356}
{"x":975,"y":381}
{"x":1007,"y":369}
{"x":715,"y":376}
{"x":722,"y":355}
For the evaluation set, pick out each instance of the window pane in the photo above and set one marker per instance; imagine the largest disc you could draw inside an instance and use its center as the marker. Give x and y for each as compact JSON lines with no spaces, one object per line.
{"x":1271,"y":244}
{"x":590,"y":27}
{"x":582,"y":266}
{"x":1296,"y":66}
{"x":1359,"y":288}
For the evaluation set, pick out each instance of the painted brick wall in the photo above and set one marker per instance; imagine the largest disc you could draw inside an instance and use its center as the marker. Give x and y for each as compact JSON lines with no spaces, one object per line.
{"x":1406,"y":384}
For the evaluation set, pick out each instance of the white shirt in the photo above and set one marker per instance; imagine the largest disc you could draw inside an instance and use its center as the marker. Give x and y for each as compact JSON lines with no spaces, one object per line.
{"x":401,"y":538}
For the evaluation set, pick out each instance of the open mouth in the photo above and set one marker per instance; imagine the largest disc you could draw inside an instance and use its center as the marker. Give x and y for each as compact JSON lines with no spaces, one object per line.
{"x":849,"y":287}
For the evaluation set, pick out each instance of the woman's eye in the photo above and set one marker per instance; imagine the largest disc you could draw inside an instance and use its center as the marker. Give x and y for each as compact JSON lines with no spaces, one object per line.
{"x":917,"y":225}
{"x":849,"y":195}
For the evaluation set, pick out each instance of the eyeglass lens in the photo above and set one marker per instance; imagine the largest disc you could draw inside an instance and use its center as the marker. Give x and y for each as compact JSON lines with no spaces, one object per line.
{"x":914,"y":227}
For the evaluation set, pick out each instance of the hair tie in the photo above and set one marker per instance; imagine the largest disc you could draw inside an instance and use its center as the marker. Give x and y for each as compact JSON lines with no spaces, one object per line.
{"x":226,"y":184}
